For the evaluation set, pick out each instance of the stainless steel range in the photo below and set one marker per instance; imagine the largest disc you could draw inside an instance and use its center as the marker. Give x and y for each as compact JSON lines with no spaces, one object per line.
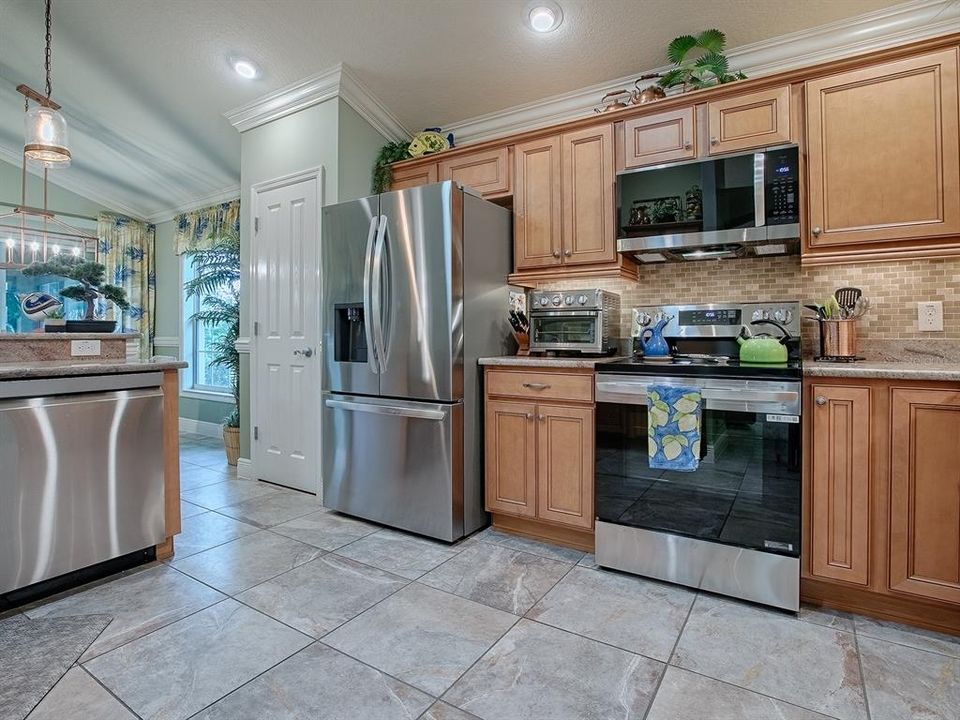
{"x":732,"y":525}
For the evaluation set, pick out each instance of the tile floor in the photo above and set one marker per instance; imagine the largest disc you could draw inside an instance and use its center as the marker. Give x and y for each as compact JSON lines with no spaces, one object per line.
{"x":274,"y":607}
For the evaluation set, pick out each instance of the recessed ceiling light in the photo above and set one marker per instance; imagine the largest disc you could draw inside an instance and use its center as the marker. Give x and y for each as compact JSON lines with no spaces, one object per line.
{"x":543,"y":16}
{"x":247,"y":69}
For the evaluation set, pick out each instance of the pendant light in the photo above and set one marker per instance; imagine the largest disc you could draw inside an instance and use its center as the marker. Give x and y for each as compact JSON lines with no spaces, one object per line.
{"x":45,"y":127}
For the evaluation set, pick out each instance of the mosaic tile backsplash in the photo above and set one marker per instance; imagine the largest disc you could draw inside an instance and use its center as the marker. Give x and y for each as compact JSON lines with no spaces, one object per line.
{"x":894,"y":289}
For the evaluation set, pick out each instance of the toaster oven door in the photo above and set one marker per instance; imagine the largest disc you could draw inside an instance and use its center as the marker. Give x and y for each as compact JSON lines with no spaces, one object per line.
{"x":580,"y":330}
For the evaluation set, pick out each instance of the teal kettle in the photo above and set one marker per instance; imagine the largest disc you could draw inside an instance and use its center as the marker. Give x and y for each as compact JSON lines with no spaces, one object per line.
{"x":652,"y":341}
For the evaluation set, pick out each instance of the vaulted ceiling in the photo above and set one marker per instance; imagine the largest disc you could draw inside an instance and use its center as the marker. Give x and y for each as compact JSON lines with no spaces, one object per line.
{"x":145,"y":83}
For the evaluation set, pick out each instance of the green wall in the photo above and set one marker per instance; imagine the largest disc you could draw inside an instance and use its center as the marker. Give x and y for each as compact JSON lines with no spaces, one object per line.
{"x":59,"y":200}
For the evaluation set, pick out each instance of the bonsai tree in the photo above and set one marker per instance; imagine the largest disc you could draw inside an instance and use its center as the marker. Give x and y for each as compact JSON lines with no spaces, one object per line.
{"x":216,"y":281}
{"x":90,"y":276}
{"x":699,"y":61}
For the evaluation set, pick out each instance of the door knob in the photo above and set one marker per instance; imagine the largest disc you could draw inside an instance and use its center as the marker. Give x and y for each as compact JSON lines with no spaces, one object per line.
{"x":821,"y":400}
{"x":816,"y":231}
{"x":305,"y":353}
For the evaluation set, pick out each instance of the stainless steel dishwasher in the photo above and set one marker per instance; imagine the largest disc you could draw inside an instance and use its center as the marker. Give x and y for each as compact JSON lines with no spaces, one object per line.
{"x":81,"y":473}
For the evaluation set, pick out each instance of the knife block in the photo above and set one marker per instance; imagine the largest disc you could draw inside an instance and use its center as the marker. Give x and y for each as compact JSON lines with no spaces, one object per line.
{"x":523,"y":342}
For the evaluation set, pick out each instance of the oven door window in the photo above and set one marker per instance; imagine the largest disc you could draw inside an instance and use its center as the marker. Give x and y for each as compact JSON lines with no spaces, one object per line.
{"x":566,"y":330}
{"x":746,"y":491}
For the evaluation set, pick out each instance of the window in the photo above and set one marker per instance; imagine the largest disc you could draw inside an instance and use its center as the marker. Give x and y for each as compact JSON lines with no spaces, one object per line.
{"x":199,"y":343}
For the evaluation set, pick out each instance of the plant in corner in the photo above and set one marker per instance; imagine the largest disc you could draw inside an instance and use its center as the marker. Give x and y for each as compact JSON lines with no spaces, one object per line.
{"x":216,"y":281}
{"x":699,"y":62}
{"x":382,"y":173}
{"x":90,"y":276}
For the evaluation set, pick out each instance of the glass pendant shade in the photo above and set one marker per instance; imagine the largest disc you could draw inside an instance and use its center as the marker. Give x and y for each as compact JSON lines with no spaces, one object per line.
{"x":46,"y":137}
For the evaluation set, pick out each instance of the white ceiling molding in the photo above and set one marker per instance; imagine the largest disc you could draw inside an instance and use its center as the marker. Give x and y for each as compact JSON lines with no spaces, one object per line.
{"x":83,"y":189}
{"x":896,"y":25}
{"x":337,"y":81}
{"x":230,"y":193}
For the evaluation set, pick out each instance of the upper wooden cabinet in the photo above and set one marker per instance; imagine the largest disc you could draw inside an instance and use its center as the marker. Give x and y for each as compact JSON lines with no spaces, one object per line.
{"x":748,"y":121}
{"x":587,"y":181}
{"x":663,"y":137}
{"x":536,"y":204}
{"x":839,"y":487}
{"x":415,"y":176}
{"x":882,"y":158}
{"x":925,"y":493}
{"x":487,"y":171}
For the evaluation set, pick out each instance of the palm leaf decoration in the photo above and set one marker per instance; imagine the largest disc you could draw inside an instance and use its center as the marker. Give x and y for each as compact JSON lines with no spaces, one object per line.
{"x":699,"y":61}
{"x":216,"y":279}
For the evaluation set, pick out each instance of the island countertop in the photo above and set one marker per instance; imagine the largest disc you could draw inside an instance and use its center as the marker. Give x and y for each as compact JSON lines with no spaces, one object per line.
{"x":78,"y":367}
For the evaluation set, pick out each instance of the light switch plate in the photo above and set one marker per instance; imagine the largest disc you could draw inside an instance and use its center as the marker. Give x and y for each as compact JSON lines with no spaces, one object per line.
{"x":930,"y":316}
{"x":84,"y":348}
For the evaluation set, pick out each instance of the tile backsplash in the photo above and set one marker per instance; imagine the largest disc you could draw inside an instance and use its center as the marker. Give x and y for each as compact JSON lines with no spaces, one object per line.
{"x":894,"y":289}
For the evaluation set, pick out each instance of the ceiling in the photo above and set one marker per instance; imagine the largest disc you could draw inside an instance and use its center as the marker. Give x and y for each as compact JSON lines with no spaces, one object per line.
{"x":144,"y":84}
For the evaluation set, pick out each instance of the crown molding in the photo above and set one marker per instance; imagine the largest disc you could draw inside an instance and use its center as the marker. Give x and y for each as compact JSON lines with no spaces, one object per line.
{"x":338,"y":81}
{"x":78,"y":187}
{"x":221,"y":196}
{"x":896,"y":25}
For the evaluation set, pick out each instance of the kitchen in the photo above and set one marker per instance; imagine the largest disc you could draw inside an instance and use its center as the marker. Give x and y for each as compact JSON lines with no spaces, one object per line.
{"x":694,"y":360}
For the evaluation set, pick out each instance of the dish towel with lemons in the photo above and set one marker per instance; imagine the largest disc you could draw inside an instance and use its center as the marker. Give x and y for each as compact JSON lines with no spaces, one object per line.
{"x":673,"y":427}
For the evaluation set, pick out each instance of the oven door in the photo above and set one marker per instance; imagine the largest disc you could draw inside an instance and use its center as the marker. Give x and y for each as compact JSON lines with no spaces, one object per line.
{"x":746,"y":490}
{"x":567,"y":330}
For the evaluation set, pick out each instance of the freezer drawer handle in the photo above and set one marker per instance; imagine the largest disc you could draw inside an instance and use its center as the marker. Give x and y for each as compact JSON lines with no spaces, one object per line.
{"x":387,"y":410}
{"x":537,"y":386}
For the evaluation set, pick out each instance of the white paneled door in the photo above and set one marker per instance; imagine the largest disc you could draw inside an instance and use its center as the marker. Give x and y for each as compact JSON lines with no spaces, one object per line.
{"x":285,"y":354}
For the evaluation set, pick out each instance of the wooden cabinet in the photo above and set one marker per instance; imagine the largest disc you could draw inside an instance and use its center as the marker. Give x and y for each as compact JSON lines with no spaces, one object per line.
{"x":408,"y":177}
{"x":840,"y":483}
{"x":925,"y":493}
{"x":539,"y":452}
{"x":753,"y":120}
{"x":536,"y":204}
{"x":487,"y":171}
{"x":882,"y":159}
{"x":587,"y":181}
{"x":664,"y":137}
{"x":511,"y":457}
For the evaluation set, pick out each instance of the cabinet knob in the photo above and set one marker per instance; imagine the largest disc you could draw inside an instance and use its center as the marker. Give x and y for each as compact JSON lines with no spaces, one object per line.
{"x":687,"y":145}
{"x":541,"y":418}
{"x":556,"y":253}
{"x":821,"y":400}
{"x":529,"y":416}
{"x":567,"y":253}
{"x":714,"y":141}
{"x":816,"y":231}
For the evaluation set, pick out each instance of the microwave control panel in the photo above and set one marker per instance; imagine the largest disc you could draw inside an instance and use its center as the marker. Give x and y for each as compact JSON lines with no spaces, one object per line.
{"x":782,"y":183}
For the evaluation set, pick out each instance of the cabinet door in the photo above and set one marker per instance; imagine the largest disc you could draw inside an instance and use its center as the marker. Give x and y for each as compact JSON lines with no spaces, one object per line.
{"x":840,"y":483}
{"x":404,"y":178}
{"x":882,"y":152}
{"x":925,"y":493}
{"x":565,"y":465}
{"x":587,"y":173}
{"x":511,"y":458}
{"x":536,"y":203}
{"x":487,"y":171}
{"x":749,"y":121}
{"x":659,"y":138}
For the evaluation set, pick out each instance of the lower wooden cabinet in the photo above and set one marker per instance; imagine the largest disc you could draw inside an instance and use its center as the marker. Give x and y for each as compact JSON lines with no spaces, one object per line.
{"x":539,"y":454}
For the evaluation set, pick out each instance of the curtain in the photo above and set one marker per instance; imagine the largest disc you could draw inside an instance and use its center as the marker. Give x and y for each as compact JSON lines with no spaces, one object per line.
{"x":197,"y":229}
{"x":126,"y":247}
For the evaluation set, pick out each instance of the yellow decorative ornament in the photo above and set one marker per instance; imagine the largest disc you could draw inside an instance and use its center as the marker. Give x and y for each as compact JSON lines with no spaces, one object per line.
{"x":427,"y":142}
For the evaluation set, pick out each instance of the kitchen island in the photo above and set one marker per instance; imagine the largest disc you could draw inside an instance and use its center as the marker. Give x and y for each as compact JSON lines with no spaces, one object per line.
{"x":89,"y":465}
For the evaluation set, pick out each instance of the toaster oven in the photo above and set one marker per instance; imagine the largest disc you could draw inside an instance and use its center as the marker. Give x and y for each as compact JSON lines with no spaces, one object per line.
{"x":584,"y":321}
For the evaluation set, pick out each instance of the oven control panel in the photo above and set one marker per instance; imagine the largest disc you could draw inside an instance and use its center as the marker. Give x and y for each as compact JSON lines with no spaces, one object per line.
{"x":592,"y":299}
{"x":717,"y":320}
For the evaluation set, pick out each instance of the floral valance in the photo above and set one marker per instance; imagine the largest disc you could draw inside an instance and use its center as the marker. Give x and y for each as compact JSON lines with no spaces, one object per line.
{"x":196,"y":230}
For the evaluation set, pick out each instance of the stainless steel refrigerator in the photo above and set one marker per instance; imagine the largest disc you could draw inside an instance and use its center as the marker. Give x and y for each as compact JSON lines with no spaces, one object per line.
{"x":414,"y":291}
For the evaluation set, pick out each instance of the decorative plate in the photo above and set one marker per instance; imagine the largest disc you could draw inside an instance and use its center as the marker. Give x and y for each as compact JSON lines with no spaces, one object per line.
{"x":428,"y":141}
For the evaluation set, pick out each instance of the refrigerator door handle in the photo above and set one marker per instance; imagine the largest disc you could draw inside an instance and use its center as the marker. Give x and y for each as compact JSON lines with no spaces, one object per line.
{"x":377,"y":299}
{"x":399,"y":410}
{"x":368,"y":310}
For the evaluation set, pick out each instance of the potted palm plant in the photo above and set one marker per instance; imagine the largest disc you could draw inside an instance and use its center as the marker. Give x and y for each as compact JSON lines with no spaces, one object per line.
{"x":216,"y":281}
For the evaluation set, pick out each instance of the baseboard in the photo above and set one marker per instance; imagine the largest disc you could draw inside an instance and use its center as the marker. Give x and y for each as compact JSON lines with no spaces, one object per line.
{"x":245,"y":469}
{"x":199,"y":427}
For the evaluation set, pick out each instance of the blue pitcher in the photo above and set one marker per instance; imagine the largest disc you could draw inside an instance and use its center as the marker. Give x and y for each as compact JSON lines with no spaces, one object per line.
{"x":654,"y":344}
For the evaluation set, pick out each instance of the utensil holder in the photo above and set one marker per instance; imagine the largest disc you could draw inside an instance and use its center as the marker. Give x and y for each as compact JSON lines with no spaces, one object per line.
{"x":838,"y":338}
{"x":523,"y":342}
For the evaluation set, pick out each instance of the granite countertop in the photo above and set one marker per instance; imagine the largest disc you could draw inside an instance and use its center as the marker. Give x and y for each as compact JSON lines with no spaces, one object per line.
{"x":885,"y":370}
{"x":68,"y":336}
{"x":534,"y":361}
{"x":77,"y":367}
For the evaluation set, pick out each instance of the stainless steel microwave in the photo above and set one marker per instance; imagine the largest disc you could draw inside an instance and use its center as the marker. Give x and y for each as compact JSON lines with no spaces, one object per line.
{"x":725,"y":206}
{"x":584,"y":321}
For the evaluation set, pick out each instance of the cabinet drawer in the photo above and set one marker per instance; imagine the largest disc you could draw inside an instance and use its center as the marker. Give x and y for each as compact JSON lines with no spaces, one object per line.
{"x":545,"y":386}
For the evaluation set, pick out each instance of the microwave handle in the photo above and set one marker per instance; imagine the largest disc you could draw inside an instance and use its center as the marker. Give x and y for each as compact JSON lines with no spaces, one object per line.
{"x":760,"y":188}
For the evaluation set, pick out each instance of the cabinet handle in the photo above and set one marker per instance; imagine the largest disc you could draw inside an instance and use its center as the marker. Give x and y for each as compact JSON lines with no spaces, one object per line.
{"x":529,"y":416}
{"x":556,"y":253}
{"x":816,"y":231}
{"x":536,"y":386}
{"x":714,"y":141}
{"x":541,"y":418}
{"x":567,"y":253}
{"x":821,"y":400}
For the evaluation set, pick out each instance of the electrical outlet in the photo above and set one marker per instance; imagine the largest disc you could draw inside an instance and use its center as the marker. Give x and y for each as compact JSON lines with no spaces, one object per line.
{"x":930,"y":316}
{"x":84,"y":348}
